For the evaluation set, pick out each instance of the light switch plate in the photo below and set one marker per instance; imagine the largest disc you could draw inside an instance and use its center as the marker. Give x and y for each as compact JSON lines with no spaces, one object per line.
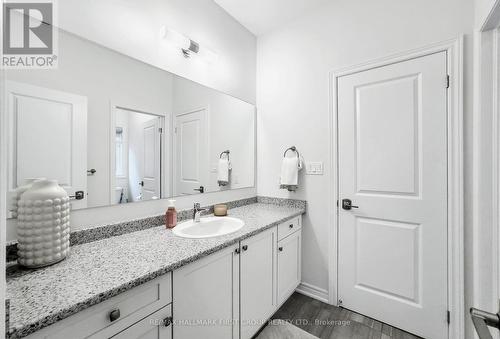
{"x":314,"y":168}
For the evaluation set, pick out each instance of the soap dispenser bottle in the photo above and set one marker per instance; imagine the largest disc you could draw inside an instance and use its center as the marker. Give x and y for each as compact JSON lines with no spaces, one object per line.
{"x":171,"y":215}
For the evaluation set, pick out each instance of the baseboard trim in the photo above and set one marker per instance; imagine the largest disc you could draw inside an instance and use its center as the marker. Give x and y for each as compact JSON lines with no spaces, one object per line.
{"x":313,"y":292}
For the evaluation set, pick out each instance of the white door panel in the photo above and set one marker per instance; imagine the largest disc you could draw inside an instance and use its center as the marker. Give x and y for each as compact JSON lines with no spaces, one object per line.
{"x":191,"y":152}
{"x":151,"y":160}
{"x":257,"y":281}
{"x":289,"y":265}
{"x":393,"y":165}
{"x":206,"y":298}
{"x":48,"y":137}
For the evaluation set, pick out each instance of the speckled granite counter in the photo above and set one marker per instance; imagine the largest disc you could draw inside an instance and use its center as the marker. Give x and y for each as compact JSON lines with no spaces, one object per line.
{"x":101,"y":269}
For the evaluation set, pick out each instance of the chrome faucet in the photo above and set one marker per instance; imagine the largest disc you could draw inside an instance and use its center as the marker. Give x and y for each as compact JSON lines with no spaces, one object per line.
{"x":197,"y":211}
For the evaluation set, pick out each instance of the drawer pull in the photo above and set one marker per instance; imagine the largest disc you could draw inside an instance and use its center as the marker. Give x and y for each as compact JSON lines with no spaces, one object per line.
{"x":280,"y":248}
{"x":167,"y":321}
{"x":244,"y":247}
{"x":290,"y":226}
{"x":237,"y":251}
{"x":114,"y":315}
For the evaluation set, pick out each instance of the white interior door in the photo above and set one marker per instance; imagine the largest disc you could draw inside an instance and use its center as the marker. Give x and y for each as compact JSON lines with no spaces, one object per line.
{"x":151,"y":151}
{"x":392,"y":146}
{"x":191,"y":152}
{"x":48,"y":137}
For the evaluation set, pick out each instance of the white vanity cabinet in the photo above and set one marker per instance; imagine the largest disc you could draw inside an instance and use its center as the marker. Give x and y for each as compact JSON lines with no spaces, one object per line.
{"x":257,"y":281}
{"x":289,"y":265}
{"x":117,"y":314}
{"x":156,"y":326}
{"x":229,"y":294}
{"x":232,"y":293}
{"x":206,"y":297}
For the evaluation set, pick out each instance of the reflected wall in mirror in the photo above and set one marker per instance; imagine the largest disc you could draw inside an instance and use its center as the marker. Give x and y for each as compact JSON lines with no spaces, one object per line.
{"x":124,"y":131}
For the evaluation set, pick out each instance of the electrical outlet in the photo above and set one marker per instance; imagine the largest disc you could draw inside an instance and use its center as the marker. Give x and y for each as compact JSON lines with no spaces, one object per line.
{"x":314,"y":168}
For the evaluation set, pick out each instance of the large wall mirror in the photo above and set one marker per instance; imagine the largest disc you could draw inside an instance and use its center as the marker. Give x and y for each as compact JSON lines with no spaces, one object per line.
{"x":123,"y":131}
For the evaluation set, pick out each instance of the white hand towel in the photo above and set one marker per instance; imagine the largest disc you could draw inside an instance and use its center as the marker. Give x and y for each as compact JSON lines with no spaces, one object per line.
{"x":223,"y":171}
{"x":290,"y":171}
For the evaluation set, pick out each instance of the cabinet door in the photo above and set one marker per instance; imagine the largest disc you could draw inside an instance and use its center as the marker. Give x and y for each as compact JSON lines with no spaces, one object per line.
{"x":258,"y":281}
{"x":156,"y":326}
{"x":289,"y":265}
{"x":205,"y":297}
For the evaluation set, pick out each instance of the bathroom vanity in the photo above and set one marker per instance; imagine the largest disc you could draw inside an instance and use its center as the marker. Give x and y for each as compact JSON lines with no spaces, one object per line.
{"x":153,"y":284}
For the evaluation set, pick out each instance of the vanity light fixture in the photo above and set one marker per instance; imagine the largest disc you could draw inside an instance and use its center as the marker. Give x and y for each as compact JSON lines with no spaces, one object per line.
{"x":188,"y":47}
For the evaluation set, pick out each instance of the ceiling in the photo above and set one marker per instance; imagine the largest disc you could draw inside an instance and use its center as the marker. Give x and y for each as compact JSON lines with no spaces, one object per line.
{"x":262,"y":16}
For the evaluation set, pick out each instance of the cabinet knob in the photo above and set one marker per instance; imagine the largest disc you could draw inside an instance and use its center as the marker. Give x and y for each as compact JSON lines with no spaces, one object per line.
{"x":114,"y":315}
{"x":167,"y":321}
{"x":244,"y":247}
{"x":237,"y":251}
{"x":290,"y":226}
{"x":280,"y":248}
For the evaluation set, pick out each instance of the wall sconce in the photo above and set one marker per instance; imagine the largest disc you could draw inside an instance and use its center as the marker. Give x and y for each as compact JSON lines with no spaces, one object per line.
{"x":188,"y":46}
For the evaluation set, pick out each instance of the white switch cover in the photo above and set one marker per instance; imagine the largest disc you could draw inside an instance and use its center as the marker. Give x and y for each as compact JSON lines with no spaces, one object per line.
{"x":314,"y":168}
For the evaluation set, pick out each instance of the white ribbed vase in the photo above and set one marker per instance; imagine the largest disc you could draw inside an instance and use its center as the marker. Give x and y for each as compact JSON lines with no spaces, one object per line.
{"x":43,"y":224}
{"x":19,"y":191}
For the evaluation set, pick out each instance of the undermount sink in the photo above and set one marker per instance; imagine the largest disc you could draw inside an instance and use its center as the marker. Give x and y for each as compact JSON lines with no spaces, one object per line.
{"x":208,"y":227}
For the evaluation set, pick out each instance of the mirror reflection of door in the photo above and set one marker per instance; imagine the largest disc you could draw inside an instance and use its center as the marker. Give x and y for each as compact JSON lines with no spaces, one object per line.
{"x":191,"y":152}
{"x":48,"y":138}
{"x":137,"y":148}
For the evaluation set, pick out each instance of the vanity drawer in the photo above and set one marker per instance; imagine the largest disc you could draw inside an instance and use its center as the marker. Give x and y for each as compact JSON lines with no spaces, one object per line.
{"x":115,"y":314}
{"x":289,"y":227}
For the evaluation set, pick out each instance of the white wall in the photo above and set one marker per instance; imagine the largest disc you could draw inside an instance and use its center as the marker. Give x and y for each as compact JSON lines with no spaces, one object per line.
{"x":231,"y":127}
{"x":293,"y":65}
{"x":133,"y":27}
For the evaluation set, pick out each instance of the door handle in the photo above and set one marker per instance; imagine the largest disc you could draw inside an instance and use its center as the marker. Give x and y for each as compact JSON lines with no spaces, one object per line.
{"x":79,"y":195}
{"x":347,"y":204}
{"x":141,"y":183}
{"x":167,"y":321}
{"x":482,"y":319}
{"x":201,"y":189}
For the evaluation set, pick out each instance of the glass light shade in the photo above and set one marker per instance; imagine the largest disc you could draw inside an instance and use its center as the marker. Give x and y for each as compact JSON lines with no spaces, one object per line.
{"x":175,"y":38}
{"x":208,"y":55}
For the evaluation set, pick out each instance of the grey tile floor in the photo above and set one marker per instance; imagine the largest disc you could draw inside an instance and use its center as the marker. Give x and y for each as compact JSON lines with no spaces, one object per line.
{"x":331,"y":322}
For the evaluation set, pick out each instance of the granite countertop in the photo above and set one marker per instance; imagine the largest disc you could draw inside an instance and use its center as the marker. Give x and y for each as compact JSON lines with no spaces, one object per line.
{"x":99,"y":270}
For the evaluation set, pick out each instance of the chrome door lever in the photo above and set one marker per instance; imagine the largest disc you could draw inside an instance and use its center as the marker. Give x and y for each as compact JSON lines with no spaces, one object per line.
{"x":482,"y":319}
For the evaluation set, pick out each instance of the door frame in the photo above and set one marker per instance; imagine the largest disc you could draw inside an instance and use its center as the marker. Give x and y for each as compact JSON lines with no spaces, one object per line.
{"x":454,"y":50}
{"x":485,"y":232}
{"x":165,"y":143}
{"x":174,"y":142}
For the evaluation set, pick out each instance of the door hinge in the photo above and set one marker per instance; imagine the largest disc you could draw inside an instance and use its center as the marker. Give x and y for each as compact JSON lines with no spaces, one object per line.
{"x":447,"y":81}
{"x":160,"y":130}
{"x":448,"y":317}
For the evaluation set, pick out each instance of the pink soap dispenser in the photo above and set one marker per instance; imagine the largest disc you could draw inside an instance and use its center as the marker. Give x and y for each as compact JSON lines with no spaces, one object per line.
{"x":171,"y":215}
